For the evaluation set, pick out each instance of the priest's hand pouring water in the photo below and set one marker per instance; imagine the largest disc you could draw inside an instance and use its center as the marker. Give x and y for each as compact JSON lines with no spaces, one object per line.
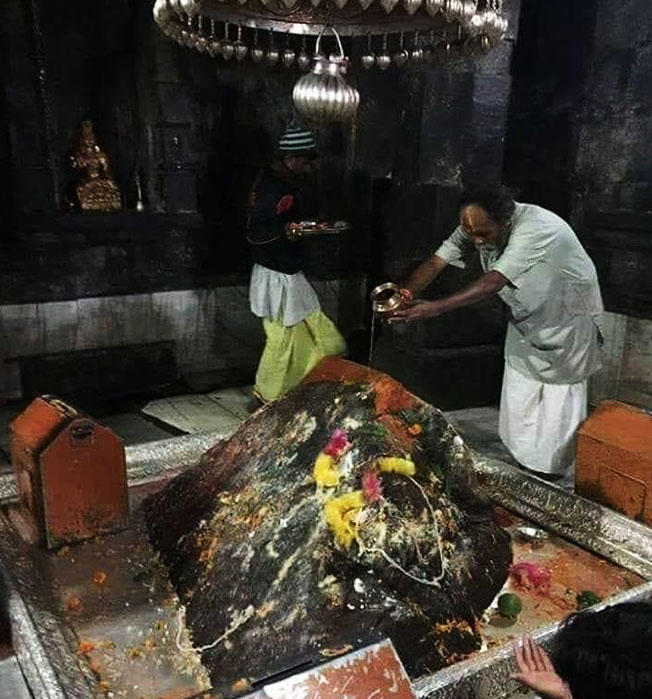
{"x":417,"y":310}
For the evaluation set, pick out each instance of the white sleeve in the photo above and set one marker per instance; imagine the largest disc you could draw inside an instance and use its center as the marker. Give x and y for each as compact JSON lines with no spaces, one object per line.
{"x":527,"y":246}
{"x":456,"y":248}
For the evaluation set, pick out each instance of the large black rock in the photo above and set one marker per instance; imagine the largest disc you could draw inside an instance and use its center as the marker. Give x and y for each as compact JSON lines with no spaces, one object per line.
{"x":270,"y":583}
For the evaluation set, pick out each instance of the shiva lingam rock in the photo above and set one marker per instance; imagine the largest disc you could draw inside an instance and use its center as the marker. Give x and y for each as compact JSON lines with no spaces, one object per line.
{"x":344,"y":512}
{"x":96,"y":188}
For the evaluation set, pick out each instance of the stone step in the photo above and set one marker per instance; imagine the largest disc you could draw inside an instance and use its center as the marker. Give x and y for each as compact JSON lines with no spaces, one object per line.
{"x":12,"y":682}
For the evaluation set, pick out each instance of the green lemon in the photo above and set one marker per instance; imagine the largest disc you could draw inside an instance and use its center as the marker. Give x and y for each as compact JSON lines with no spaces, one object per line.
{"x":586,"y":599}
{"x":510,"y":605}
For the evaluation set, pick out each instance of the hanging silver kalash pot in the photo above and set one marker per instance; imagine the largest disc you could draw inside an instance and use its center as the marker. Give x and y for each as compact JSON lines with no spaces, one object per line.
{"x":323,"y":94}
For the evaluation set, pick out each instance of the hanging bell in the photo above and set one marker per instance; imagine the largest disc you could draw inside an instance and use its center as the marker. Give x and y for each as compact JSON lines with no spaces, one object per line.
{"x":324,"y":93}
{"x":433,"y":7}
{"x":191,"y":36}
{"x":476,"y":24}
{"x":184,"y":35}
{"x":411,"y":6}
{"x":477,"y":46}
{"x":162,"y":11}
{"x":214,"y":47}
{"x":202,"y":44}
{"x":287,"y":57}
{"x":271,"y":56}
{"x":401,"y":57}
{"x":504,"y":26}
{"x":452,"y":10}
{"x":341,"y":4}
{"x":240,"y":49}
{"x":416,"y":54}
{"x":289,"y":4}
{"x":213,"y":43}
{"x":496,"y":26}
{"x":303,"y":59}
{"x":490,"y":21}
{"x":227,"y":49}
{"x":368,"y":59}
{"x":388,"y":5}
{"x":200,"y":40}
{"x":365,"y":4}
{"x":469,"y":8}
{"x":257,"y":53}
{"x":429,"y":48}
{"x":384,"y":60}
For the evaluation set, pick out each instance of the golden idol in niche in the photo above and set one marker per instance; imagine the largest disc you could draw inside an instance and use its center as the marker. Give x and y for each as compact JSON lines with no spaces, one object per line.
{"x":96,"y":189}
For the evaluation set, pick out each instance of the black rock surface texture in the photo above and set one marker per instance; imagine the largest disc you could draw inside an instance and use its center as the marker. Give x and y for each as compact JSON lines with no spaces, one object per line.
{"x":275,"y":570}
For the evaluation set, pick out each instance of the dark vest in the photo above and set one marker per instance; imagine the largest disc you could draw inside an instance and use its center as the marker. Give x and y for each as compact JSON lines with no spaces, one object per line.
{"x":272,"y":204}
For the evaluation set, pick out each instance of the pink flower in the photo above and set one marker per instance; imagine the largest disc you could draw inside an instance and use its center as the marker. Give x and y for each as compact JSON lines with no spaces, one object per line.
{"x":372,"y":487}
{"x":338,"y":444}
{"x":530,"y":576}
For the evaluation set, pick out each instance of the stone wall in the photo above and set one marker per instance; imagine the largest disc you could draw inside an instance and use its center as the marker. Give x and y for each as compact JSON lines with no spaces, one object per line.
{"x":627,"y":371}
{"x":215,"y":339}
{"x":613,"y":169}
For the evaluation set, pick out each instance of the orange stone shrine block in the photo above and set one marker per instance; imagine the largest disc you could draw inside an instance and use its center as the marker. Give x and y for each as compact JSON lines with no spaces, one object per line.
{"x":614,"y":459}
{"x":70,"y":472}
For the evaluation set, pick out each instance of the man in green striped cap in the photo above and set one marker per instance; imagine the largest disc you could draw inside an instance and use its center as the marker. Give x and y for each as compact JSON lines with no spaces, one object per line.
{"x":298,"y":149}
{"x":298,"y":334}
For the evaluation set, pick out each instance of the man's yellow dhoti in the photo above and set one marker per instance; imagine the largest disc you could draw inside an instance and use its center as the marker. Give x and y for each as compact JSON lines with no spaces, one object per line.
{"x":292,"y":352}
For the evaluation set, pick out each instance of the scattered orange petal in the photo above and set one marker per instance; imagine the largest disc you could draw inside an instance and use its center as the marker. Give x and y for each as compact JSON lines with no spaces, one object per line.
{"x":74,"y":604}
{"x":85,"y":647}
{"x":415,"y":429}
{"x":99,"y":577}
{"x":241,"y":685}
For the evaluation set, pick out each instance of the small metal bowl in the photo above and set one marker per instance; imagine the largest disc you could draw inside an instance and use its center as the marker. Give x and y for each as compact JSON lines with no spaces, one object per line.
{"x":386,"y":298}
{"x":531,"y":535}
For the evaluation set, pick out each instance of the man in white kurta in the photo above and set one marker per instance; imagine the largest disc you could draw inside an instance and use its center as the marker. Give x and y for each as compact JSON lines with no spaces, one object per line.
{"x":533,"y":260}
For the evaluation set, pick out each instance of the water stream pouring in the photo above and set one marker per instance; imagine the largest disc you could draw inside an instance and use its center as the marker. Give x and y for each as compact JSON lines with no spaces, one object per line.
{"x":386,"y":299}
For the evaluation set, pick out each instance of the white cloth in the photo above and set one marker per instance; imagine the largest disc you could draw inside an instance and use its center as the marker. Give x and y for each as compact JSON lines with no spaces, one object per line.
{"x":538,"y":421}
{"x":285,"y":298}
{"x":553,"y":295}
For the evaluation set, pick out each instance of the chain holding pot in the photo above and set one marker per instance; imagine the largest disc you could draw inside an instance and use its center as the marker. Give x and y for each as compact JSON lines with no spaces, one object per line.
{"x":324,"y":94}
